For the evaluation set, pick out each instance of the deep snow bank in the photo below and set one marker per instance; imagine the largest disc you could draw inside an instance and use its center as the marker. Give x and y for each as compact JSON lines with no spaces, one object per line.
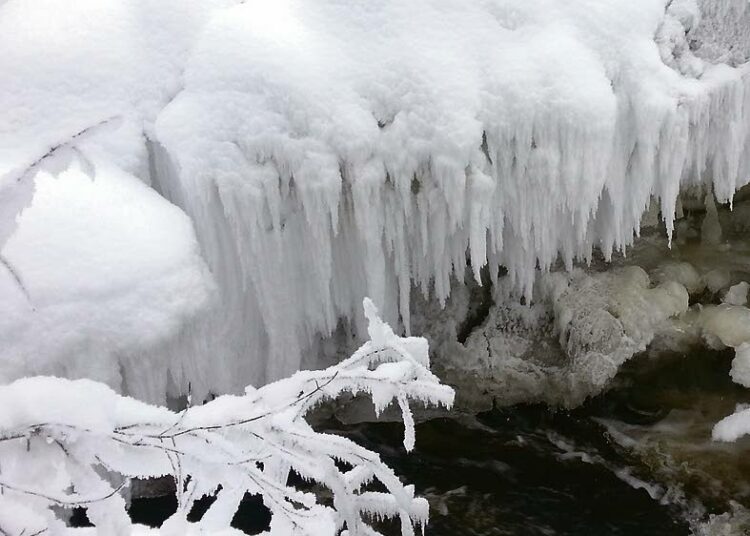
{"x":103,"y":270}
{"x":98,"y":270}
{"x":330,"y":150}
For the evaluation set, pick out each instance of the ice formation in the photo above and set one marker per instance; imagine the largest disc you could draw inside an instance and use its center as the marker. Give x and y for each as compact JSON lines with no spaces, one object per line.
{"x":737,"y":294}
{"x":371,"y":168}
{"x":569,"y":341}
{"x":565,"y":346}
{"x":327,"y":151}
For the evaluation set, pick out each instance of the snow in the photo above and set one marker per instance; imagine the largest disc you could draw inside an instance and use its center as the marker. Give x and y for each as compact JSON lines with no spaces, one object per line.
{"x":724,"y":32}
{"x":98,"y":270}
{"x":327,"y":151}
{"x":59,"y":79}
{"x":103,"y":269}
{"x":142,"y":530}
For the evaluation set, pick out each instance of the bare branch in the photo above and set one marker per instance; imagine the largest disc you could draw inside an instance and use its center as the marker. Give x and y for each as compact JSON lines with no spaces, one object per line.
{"x":57,"y":500}
{"x":68,"y":142}
{"x":16,"y":277}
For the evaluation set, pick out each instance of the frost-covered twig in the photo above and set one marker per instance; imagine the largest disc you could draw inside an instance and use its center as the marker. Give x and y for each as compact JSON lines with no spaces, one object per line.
{"x":69,"y":142}
{"x":76,"y":443}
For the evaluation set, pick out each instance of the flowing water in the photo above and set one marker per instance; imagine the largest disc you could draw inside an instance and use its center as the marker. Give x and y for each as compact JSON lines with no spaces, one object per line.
{"x":637,"y":460}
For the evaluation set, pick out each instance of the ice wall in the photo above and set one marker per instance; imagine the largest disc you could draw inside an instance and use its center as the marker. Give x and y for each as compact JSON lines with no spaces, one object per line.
{"x":330,"y":150}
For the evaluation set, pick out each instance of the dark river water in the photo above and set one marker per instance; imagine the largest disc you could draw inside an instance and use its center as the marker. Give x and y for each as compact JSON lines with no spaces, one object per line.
{"x":637,"y":460}
{"x":503,"y":474}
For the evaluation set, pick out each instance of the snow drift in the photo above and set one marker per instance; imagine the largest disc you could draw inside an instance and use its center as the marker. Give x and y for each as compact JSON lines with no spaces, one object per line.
{"x":331,"y":150}
{"x":100,"y":270}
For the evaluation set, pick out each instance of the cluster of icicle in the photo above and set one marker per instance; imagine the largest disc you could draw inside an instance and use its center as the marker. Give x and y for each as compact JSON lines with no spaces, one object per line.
{"x":375,"y":173}
{"x":66,"y":444}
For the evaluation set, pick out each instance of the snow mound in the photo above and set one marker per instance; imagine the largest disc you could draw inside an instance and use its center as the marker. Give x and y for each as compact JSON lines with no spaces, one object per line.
{"x":100,"y":270}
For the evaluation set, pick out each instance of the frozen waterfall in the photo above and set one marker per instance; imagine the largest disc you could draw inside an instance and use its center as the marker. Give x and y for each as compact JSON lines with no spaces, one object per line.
{"x":329,"y":150}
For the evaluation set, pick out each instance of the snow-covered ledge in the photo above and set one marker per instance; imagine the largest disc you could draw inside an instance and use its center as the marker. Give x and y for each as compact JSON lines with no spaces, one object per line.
{"x":326,"y":151}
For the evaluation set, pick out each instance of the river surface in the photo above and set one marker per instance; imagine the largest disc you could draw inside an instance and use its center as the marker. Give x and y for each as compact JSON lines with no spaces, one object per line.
{"x":636,"y":460}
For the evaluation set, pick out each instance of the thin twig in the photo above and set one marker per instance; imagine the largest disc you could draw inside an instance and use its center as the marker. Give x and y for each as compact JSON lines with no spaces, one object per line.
{"x":69,"y":141}
{"x":16,"y":277}
{"x":56,"y":500}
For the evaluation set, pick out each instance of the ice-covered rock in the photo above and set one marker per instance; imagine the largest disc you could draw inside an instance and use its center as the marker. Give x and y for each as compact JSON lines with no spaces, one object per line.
{"x":717,"y":279}
{"x":724,"y":325}
{"x":737,"y":294}
{"x":565,"y":346}
{"x":740,"y":372}
{"x":681,"y":272}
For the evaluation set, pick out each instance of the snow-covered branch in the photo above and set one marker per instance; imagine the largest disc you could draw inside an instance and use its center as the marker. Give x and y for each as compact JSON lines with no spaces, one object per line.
{"x":74,"y":443}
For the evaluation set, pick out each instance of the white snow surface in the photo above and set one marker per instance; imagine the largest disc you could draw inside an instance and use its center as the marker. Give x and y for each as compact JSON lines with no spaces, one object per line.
{"x":100,"y":270}
{"x":327,"y":150}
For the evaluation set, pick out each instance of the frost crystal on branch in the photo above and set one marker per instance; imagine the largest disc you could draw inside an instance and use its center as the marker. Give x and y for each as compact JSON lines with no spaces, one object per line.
{"x":75,"y":443}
